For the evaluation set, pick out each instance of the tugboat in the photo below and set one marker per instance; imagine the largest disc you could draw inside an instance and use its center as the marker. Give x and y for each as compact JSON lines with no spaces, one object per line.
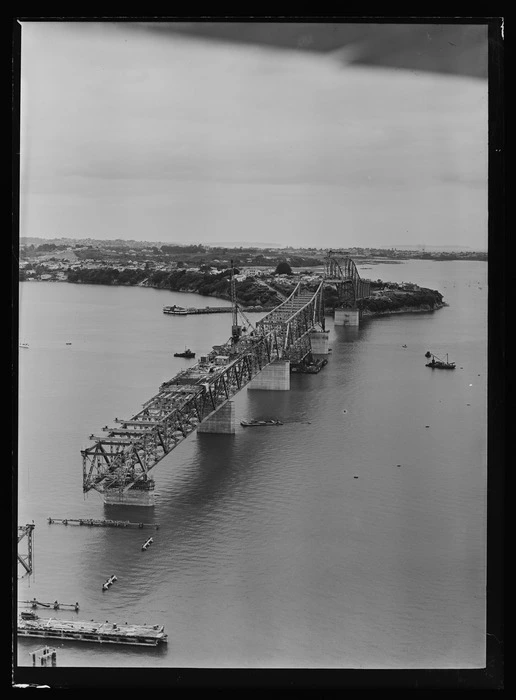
{"x":428,"y":353}
{"x":187,"y":353}
{"x":256,"y":423}
{"x":436,"y":363}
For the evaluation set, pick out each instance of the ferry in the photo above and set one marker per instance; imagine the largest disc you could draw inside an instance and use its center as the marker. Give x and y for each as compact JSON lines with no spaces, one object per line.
{"x":436,"y":363}
{"x":175,"y":310}
{"x":31,"y":625}
{"x":256,"y":423}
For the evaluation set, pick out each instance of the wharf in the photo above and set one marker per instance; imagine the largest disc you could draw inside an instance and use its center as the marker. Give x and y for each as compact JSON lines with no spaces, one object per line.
{"x":186,"y":311}
{"x":100,"y":523}
{"x":83,"y":631}
{"x":211,"y":310}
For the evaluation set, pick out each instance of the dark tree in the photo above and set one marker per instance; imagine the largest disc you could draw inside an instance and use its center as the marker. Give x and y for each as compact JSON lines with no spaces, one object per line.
{"x":283,"y":268}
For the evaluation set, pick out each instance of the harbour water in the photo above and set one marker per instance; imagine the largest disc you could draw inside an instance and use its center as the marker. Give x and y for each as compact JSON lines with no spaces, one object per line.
{"x":270,"y":553}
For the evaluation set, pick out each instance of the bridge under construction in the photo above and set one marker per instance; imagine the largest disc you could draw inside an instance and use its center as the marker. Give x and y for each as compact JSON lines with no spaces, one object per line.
{"x":118,"y":464}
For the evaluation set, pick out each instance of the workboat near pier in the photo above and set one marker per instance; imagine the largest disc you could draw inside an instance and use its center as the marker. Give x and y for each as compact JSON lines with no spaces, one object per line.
{"x":82,"y":631}
{"x":309,"y":367}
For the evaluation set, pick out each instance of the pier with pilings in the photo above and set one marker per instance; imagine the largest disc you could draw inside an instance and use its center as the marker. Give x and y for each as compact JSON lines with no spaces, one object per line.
{"x":89,"y":522}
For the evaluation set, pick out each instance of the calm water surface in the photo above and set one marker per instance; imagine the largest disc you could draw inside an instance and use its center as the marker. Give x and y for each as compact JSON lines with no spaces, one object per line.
{"x":270,"y":553}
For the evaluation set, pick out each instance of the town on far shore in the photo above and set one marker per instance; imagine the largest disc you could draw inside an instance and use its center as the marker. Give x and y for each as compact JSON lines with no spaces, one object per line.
{"x":264,"y":276}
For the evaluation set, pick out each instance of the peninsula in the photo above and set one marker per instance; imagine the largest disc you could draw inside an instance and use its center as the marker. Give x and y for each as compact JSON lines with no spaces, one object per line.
{"x":263,"y":279}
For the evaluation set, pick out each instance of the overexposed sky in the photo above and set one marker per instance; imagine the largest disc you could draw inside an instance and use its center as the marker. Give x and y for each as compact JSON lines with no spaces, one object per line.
{"x":131,"y":134}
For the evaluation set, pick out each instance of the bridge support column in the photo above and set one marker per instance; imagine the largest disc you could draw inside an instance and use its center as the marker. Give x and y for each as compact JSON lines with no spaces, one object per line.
{"x":274,"y":377}
{"x":319,"y":342}
{"x":142,"y":494}
{"x":347,"y":317}
{"x":222,"y":421}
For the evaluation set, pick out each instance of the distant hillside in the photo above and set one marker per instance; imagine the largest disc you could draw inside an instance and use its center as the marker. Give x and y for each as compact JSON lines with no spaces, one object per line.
{"x":434,"y":248}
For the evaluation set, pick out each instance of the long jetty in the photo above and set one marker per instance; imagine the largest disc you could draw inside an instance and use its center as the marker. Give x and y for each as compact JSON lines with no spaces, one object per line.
{"x":188,"y":310}
{"x":100,"y":523}
{"x":56,"y":605}
{"x":210,"y":310}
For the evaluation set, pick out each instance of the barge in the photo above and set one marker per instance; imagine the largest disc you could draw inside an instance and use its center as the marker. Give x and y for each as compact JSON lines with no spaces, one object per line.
{"x":82,"y":631}
{"x":309,"y":368}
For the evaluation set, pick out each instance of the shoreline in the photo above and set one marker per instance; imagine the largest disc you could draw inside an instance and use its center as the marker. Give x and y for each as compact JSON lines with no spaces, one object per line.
{"x":365,"y":313}
{"x":404,"y":310}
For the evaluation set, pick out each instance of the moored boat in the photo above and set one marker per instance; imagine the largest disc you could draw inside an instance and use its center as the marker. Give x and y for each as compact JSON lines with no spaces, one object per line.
{"x":175,"y":310}
{"x":436,"y":363}
{"x":187,"y":353}
{"x":309,"y":368}
{"x":82,"y":631}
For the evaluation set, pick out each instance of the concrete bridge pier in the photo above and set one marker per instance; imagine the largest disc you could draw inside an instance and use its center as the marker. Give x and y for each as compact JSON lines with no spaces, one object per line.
{"x":222,"y":421}
{"x":319,"y":342}
{"x":347,"y":317}
{"x":274,"y":377}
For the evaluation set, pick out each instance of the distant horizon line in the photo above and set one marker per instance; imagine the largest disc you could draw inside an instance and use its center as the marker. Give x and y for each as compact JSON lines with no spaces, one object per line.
{"x":421,"y":247}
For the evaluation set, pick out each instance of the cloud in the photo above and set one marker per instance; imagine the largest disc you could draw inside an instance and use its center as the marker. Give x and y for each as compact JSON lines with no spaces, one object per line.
{"x":459,"y":49}
{"x":108,"y":111}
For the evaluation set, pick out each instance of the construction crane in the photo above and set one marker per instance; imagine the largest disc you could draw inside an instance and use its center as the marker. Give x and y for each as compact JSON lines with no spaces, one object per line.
{"x":236,"y":328}
{"x":26,"y":560}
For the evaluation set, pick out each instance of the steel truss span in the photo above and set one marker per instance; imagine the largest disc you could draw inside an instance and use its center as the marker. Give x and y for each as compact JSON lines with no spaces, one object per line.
{"x":124,"y":457}
{"x":342,"y":273}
